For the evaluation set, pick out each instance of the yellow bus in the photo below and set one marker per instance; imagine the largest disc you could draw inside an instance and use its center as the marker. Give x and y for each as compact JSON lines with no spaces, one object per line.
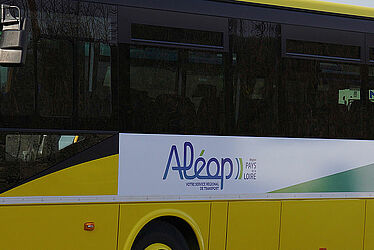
{"x":136,"y":124}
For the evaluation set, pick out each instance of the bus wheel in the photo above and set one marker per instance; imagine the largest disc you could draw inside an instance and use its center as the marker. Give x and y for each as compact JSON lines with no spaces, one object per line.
{"x":160,"y":235}
{"x":158,"y":246}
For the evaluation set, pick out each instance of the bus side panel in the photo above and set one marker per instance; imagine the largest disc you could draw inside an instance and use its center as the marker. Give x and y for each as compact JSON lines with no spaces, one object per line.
{"x":253,"y":225}
{"x":369,"y":225}
{"x":134,"y":216}
{"x":58,"y":227}
{"x":315,"y":224}
{"x":218,"y":225}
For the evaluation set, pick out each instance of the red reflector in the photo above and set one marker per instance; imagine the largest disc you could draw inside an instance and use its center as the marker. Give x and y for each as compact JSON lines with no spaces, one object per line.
{"x":89,"y":226}
{"x":322,"y":248}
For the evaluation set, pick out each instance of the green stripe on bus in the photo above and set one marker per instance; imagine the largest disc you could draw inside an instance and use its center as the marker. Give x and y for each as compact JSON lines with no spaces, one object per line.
{"x":355,"y":180}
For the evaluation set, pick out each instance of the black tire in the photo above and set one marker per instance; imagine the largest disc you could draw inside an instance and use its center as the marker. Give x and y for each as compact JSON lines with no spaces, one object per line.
{"x":160,"y":232}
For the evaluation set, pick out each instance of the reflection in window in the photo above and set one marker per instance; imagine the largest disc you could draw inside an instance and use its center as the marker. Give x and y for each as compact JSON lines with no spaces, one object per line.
{"x":308,"y":48}
{"x":370,"y":108}
{"x":58,"y":87}
{"x":25,"y":155}
{"x":4,"y":79}
{"x":371,"y":55}
{"x":97,"y":22}
{"x":348,"y":96}
{"x":323,"y":99}
{"x":55,"y":78}
{"x":256,"y":77}
{"x":144,"y":32}
{"x":176,"y":91}
{"x":153,"y":71}
{"x":66,"y":141}
{"x":153,"y":74}
{"x":95,"y":99}
{"x":18,"y":89}
{"x":204,"y":87}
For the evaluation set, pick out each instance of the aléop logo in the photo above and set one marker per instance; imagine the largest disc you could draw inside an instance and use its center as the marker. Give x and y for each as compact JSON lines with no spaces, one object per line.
{"x":208,"y":173}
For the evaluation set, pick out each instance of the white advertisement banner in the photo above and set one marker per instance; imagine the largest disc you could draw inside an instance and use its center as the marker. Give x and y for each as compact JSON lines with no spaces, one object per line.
{"x":179,"y":167}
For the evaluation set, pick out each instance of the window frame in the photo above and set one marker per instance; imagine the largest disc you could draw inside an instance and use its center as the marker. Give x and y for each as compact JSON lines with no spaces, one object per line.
{"x":321,"y":35}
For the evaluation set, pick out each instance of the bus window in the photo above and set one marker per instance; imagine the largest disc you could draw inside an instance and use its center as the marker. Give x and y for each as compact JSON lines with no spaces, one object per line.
{"x":324,"y":50}
{"x":95,"y":93}
{"x":371,"y":55}
{"x":256,"y":61}
{"x":370,"y":109}
{"x":204,"y":87}
{"x":153,"y":70}
{"x":153,"y":78}
{"x":323,"y":99}
{"x":4,"y":79}
{"x":66,"y":140}
{"x":176,"y":91}
{"x":55,"y":78}
{"x":17,"y":90}
{"x":23,"y":155}
{"x":176,"y":36}
{"x":323,"y":83}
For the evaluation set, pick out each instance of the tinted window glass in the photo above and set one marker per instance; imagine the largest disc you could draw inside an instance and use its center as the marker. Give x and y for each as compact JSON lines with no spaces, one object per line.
{"x":274,"y":96}
{"x":308,"y":48}
{"x":153,"y":73}
{"x":55,"y":19}
{"x":205,"y":89}
{"x":95,"y":93}
{"x":322,"y":99}
{"x":23,"y":155}
{"x":175,"y":91}
{"x":256,"y":62}
{"x":153,"y":70}
{"x":371,"y":54}
{"x":176,"y":35}
{"x":55,"y":78}
{"x":67,"y":81}
{"x":370,"y":108}
{"x":17,"y":87}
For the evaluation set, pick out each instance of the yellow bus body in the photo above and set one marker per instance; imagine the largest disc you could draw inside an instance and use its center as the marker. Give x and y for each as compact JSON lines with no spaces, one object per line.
{"x":232,"y":225}
{"x":321,"y":6}
{"x":340,"y":224}
{"x":333,"y":224}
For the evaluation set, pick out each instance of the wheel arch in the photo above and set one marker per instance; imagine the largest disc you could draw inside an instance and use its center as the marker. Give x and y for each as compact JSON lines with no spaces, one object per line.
{"x":176,"y":217}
